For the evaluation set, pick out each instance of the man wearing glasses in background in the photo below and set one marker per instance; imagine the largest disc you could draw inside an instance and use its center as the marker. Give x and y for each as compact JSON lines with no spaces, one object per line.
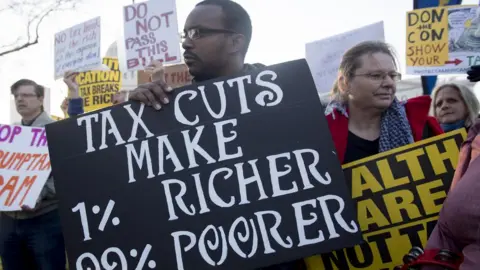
{"x":32,"y":238}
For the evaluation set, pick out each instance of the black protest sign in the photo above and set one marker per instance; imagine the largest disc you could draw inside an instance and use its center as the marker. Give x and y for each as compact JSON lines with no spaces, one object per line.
{"x":399,"y":194}
{"x":235,"y":173}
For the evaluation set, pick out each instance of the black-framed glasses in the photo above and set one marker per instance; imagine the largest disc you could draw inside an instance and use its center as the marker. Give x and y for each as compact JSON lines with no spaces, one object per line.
{"x":381,"y":76}
{"x":196,"y":33}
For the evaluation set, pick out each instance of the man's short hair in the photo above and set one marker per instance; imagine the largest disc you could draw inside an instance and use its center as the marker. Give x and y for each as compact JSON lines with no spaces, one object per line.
{"x":39,"y":90}
{"x":236,"y":17}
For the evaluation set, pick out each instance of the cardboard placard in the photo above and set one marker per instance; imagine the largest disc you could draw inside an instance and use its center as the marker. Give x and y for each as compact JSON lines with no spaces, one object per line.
{"x":236,"y":173}
{"x":78,"y":48}
{"x":175,"y":76}
{"x":97,"y":88}
{"x":151,"y":33}
{"x":443,"y":40}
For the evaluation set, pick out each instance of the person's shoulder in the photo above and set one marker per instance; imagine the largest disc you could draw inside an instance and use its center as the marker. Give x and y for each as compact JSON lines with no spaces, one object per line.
{"x":329,"y":110}
{"x":423,"y":101}
{"x":475,"y":128}
{"x":336,"y":117}
{"x":42,"y":120}
{"x":418,"y":106}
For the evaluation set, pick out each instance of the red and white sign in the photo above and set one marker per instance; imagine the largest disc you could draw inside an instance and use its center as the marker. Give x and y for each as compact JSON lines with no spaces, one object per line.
{"x":151,"y":33}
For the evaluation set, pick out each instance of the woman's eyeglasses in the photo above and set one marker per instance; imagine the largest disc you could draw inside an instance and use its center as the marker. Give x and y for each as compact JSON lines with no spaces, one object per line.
{"x":381,"y":76}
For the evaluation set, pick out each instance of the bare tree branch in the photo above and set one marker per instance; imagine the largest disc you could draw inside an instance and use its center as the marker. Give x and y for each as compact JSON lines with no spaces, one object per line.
{"x":37,"y":11}
{"x":11,"y":43}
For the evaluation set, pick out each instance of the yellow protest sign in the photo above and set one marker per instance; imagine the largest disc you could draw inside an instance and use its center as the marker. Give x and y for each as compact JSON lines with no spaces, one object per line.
{"x":427,"y":37}
{"x":442,"y":40}
{"x":399,"y":194}
{"x":98,"y":87}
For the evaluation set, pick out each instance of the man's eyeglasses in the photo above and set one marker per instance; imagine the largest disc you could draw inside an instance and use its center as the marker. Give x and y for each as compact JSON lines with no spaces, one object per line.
{"x":197,"y":33}
{"x":381,"y":76}
{"x":24,"y":96}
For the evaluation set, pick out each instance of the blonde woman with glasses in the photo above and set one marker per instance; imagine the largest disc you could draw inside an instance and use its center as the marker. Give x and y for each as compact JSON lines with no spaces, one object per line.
{"x":364,"y":116}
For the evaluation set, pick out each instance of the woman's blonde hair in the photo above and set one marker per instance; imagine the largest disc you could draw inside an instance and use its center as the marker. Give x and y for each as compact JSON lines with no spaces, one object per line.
{"x":351,"y":62}
{"x":468,"y":98}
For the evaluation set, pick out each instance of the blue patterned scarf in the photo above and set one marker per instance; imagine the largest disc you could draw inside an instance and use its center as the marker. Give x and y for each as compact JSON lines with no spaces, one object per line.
{"x":453,"y":126}
{"x":395,"y":130}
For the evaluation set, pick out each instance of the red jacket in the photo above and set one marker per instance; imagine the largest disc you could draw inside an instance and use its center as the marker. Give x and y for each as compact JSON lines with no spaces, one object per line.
{"x":417,"y":113}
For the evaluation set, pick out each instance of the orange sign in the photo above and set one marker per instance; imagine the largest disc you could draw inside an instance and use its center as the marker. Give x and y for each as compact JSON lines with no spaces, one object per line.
{"x":175,"y":76}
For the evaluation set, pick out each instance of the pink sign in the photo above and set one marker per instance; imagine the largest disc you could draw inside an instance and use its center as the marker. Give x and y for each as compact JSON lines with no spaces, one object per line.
{"x":24,"y":166}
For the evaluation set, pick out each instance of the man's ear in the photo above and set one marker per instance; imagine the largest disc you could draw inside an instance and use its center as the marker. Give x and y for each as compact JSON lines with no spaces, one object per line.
{"x":238,"y":43}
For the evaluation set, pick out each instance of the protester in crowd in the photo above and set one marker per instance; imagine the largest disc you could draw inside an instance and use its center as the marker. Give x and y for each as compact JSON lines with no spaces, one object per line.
{"x":455,"y":106}
{"x":458,"y":226}
{"x":217,"y":34}
{"x":364,"y":116}
{"x":32,"y":238}
{"x":75,"y":102}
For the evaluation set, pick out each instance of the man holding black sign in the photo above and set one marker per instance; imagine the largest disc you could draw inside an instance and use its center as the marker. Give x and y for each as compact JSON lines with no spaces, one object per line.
{"x":217,"y":34}
{"x":241,"y":177}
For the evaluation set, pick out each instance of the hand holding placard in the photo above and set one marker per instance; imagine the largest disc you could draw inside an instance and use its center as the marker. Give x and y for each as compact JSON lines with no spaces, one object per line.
{"x":154,"y":93}
{"x":156,"y":70}
{"x":70,"y":79}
